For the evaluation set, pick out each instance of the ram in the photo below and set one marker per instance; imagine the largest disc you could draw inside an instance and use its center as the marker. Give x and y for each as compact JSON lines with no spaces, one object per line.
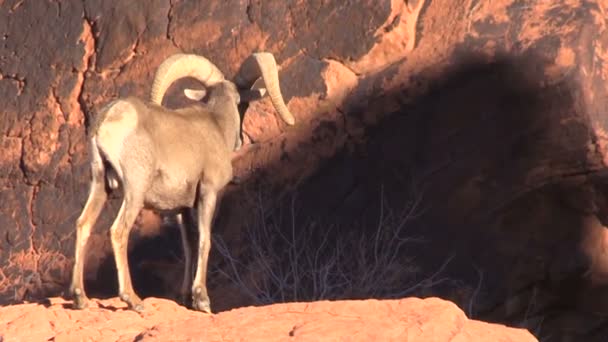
{"x":170,"y":161}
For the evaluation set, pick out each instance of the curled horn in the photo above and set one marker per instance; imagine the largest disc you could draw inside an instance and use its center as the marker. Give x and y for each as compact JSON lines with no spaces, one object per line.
{"x":263,"y":64}
{"x":183,"y":65}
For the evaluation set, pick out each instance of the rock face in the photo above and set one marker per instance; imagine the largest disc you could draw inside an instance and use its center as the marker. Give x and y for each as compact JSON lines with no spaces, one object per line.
{"x":408,"y":320}
{"x":493,"y":113}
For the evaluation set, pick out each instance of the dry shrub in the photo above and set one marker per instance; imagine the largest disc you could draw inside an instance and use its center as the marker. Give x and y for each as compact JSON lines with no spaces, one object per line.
{"x":290,"y":259}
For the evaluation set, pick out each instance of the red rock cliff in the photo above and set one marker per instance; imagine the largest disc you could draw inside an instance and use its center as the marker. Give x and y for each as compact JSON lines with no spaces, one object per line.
{"x":496,"y":109}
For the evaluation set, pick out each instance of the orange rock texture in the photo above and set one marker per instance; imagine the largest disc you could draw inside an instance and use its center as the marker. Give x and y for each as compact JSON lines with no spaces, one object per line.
{"x":410,"y":320}
{"x":489,"y":116}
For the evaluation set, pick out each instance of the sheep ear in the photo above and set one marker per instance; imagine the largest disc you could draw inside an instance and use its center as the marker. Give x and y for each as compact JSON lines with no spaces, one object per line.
{"x":257,"y":91}
{"x":195,"y":94}
{"x":252,"y":95}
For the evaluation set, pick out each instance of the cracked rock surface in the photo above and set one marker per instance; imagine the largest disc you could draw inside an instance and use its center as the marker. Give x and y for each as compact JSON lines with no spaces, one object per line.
{"x":60,"y":61}
{"x":495,"y":110}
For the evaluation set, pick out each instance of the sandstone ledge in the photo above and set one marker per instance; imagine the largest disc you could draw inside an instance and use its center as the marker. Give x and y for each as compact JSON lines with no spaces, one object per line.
{"x":410,"y":319}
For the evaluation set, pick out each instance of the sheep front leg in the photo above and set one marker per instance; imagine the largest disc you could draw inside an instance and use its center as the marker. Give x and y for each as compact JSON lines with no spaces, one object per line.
{"x":120,"y":237}
{"x":206,"y":208}
{"x":185,"y":223}
{"x":84,"y":224}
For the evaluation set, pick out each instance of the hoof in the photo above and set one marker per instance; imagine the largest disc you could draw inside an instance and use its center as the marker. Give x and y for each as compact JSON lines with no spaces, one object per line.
{"x":134,"y":302}
{"x":202,"y":305}
{"x":81,"y":303}
{"x":183,"y":299}
{"x":139,"y":307}
{"x":80,"y":299}
{"x":200,"y":301}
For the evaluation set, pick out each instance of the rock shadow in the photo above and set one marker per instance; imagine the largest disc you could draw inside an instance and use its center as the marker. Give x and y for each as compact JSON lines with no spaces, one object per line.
{"x":494,"y":173}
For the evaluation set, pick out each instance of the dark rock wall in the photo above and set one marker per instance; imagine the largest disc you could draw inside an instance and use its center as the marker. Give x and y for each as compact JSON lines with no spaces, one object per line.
{"x":498,"y":108}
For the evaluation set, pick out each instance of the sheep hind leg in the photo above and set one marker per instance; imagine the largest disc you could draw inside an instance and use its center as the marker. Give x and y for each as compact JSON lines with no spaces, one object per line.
{"x":84,"y":224}
{"x":120,"y":230}
{"x":206,"y":209}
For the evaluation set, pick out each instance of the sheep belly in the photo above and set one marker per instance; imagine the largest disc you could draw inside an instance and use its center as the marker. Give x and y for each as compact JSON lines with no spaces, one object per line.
{"x":169,"y":192}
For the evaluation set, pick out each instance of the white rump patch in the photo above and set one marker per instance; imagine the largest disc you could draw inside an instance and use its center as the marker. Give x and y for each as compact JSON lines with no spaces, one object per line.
{"x":120,"y":121}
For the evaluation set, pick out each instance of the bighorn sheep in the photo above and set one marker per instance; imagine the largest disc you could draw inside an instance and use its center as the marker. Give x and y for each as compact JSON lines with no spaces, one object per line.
{"x":171,"y":161}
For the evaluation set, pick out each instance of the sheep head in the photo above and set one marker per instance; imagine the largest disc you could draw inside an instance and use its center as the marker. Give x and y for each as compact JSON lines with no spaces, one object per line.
{"x":257,"y":77}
